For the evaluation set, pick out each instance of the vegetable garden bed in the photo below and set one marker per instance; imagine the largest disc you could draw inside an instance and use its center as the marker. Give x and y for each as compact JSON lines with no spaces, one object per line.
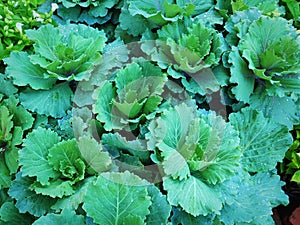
{"x":149,"y":112}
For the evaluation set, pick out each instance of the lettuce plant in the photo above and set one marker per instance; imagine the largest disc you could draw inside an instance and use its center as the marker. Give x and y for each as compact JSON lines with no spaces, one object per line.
{"x":137,"y":17}
{"x":189,"y":50}
{"x":265,"y":56}
{"x":61,"y":54}
{"x":67,"y":52}
{"x":193,"y":46}
{"x":133,"y":97}
{"x":195,"y":157}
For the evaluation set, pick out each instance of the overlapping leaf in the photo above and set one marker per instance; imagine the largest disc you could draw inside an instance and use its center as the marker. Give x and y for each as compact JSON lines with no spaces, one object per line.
{"x":135,"y":95}
{"x":34,"y":156}
{"x":92,"y":152}
{"x":65,"y":158}
{"x":27,"y":200}
{"x":196,"y":152}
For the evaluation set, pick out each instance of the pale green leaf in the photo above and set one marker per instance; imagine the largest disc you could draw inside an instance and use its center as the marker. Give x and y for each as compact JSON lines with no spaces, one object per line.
{"x":12,"y":158}
{"x":152,"y":104}
{"x":65,"y":157}
{"x":203,"y":144}
{"x":221,"y":150}
{"x":183,"y":218}
{"x":71,"y":54}
{"x":201,"y":82}
{"x":160,"y":12}
{"x":117,"y":196}
{"x":46,"y":38}
{"x":296,"y":177}
{"x":17,"y":137}
{"x":21,"y":117}
{"x":7,"y":87}
{"x":174,"y":163}
{"x":74,"y":200}
{"x":5,"y":178}
{"x":271,"y":52}
{"x":135,"y":147}
{"x":280,"y":109}
{"x":132,"y":219}
{"x":130,"y":110}
{"x":103,"y":106}
{"x":33,"y":157}
{"x":57,"y":188}
{"x":201,"y":5}
{"x":25,"y":73}
{"x":260,"y":36}
{"x":126,"y":76}
{"x":6,"y":125}
{"x":133,"y":25}
{"x":189,"y":46}
{"x":194,"y":196}
{"x":93,"y":154}
{"x":173,"y":125}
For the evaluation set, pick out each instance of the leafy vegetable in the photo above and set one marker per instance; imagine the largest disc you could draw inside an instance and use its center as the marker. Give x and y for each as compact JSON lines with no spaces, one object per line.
{"x":193,"y":46}
{"x":10,"y":214}
{"x":267,"y":56}
{"x":148,"y":112}
{"x":269,"y":7}
{"x":202,"y":157}
{"x":60,"y":50}
{"x":136,"y":95}
{"x":190,"y":48}
{"x":27,"y":200}
{"x":14,"y":120}
{"x":34,"y":155}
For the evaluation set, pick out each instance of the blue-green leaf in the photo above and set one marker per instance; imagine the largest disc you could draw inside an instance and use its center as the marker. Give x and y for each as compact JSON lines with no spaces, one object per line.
{"x":54,"y":102}
{"x":263,"y":141}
